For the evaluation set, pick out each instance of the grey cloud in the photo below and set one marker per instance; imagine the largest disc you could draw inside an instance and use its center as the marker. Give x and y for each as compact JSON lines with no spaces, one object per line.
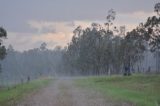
{"x":14,"y":13}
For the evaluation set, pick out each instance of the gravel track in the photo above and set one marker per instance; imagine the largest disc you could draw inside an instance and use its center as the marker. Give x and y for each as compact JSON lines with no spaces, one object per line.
{"x":63,"y":92}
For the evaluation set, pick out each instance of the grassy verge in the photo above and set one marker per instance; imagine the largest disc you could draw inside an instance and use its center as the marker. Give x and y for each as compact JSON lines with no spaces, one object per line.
{"x":140,"y":90}
{"x":14,"y":94}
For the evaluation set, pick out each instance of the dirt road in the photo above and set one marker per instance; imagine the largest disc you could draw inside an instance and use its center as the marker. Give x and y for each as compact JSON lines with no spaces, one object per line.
{"x":63,"y":92}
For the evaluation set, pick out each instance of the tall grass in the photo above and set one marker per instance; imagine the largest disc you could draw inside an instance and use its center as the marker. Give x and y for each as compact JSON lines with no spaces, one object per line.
{"x":9,"y":97}
{"x":140,"y":90}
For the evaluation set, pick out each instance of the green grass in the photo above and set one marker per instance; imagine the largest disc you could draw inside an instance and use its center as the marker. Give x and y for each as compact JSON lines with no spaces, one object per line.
{"x":14,"y":94}
{"x":140,"y":90}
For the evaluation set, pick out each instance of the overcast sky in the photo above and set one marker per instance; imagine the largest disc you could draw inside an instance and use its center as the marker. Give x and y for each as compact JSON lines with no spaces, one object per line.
{"x":31,"y":22}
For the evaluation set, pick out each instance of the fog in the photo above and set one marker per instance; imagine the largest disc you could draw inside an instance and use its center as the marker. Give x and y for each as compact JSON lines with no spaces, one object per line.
{"x":100,"y":49}
{"x":19,"y":67}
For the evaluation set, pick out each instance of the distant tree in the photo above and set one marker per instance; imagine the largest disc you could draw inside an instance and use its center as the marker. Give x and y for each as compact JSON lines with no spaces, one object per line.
{"x":10,"y":48}
{"x":110,"y":18}
{"x":157,"y":8}
{"x":43,"y":46}
{"x":57,"y":48}
{"x":78,"y":31}
{"x":133,"y":48}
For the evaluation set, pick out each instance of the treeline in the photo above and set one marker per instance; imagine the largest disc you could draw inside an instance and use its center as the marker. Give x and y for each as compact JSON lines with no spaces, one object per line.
{"x":20,"y":67}
{"x":95,"y":51}
{"x":100,"y":49}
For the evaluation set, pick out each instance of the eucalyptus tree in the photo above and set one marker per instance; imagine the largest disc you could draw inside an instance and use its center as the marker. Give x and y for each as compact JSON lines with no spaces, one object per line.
{"x":116,"y":53}
{"x":152,"y":27}
{"x":73,"y":51}
{"x":43,"y":46}
{"x":133,"y":47}
{"x":157,"y":8}
{"x":95,"y":48}
{"x":110,"y":18}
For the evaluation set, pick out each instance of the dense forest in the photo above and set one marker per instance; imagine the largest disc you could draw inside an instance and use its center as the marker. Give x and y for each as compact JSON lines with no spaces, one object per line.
{"x":107,"y":49}
{"x":96,"y":50}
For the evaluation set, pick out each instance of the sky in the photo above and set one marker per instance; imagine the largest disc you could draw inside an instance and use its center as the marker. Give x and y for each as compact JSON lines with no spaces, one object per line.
{"x":32,"y":22}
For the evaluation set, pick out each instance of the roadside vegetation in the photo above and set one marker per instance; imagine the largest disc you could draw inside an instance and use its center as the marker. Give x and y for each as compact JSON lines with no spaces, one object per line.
{"x":9,"y":96}
{"x":138,"y":90}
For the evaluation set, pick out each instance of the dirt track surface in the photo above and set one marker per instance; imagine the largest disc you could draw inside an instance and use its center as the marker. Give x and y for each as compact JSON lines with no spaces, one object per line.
{"x":63,"y":92}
